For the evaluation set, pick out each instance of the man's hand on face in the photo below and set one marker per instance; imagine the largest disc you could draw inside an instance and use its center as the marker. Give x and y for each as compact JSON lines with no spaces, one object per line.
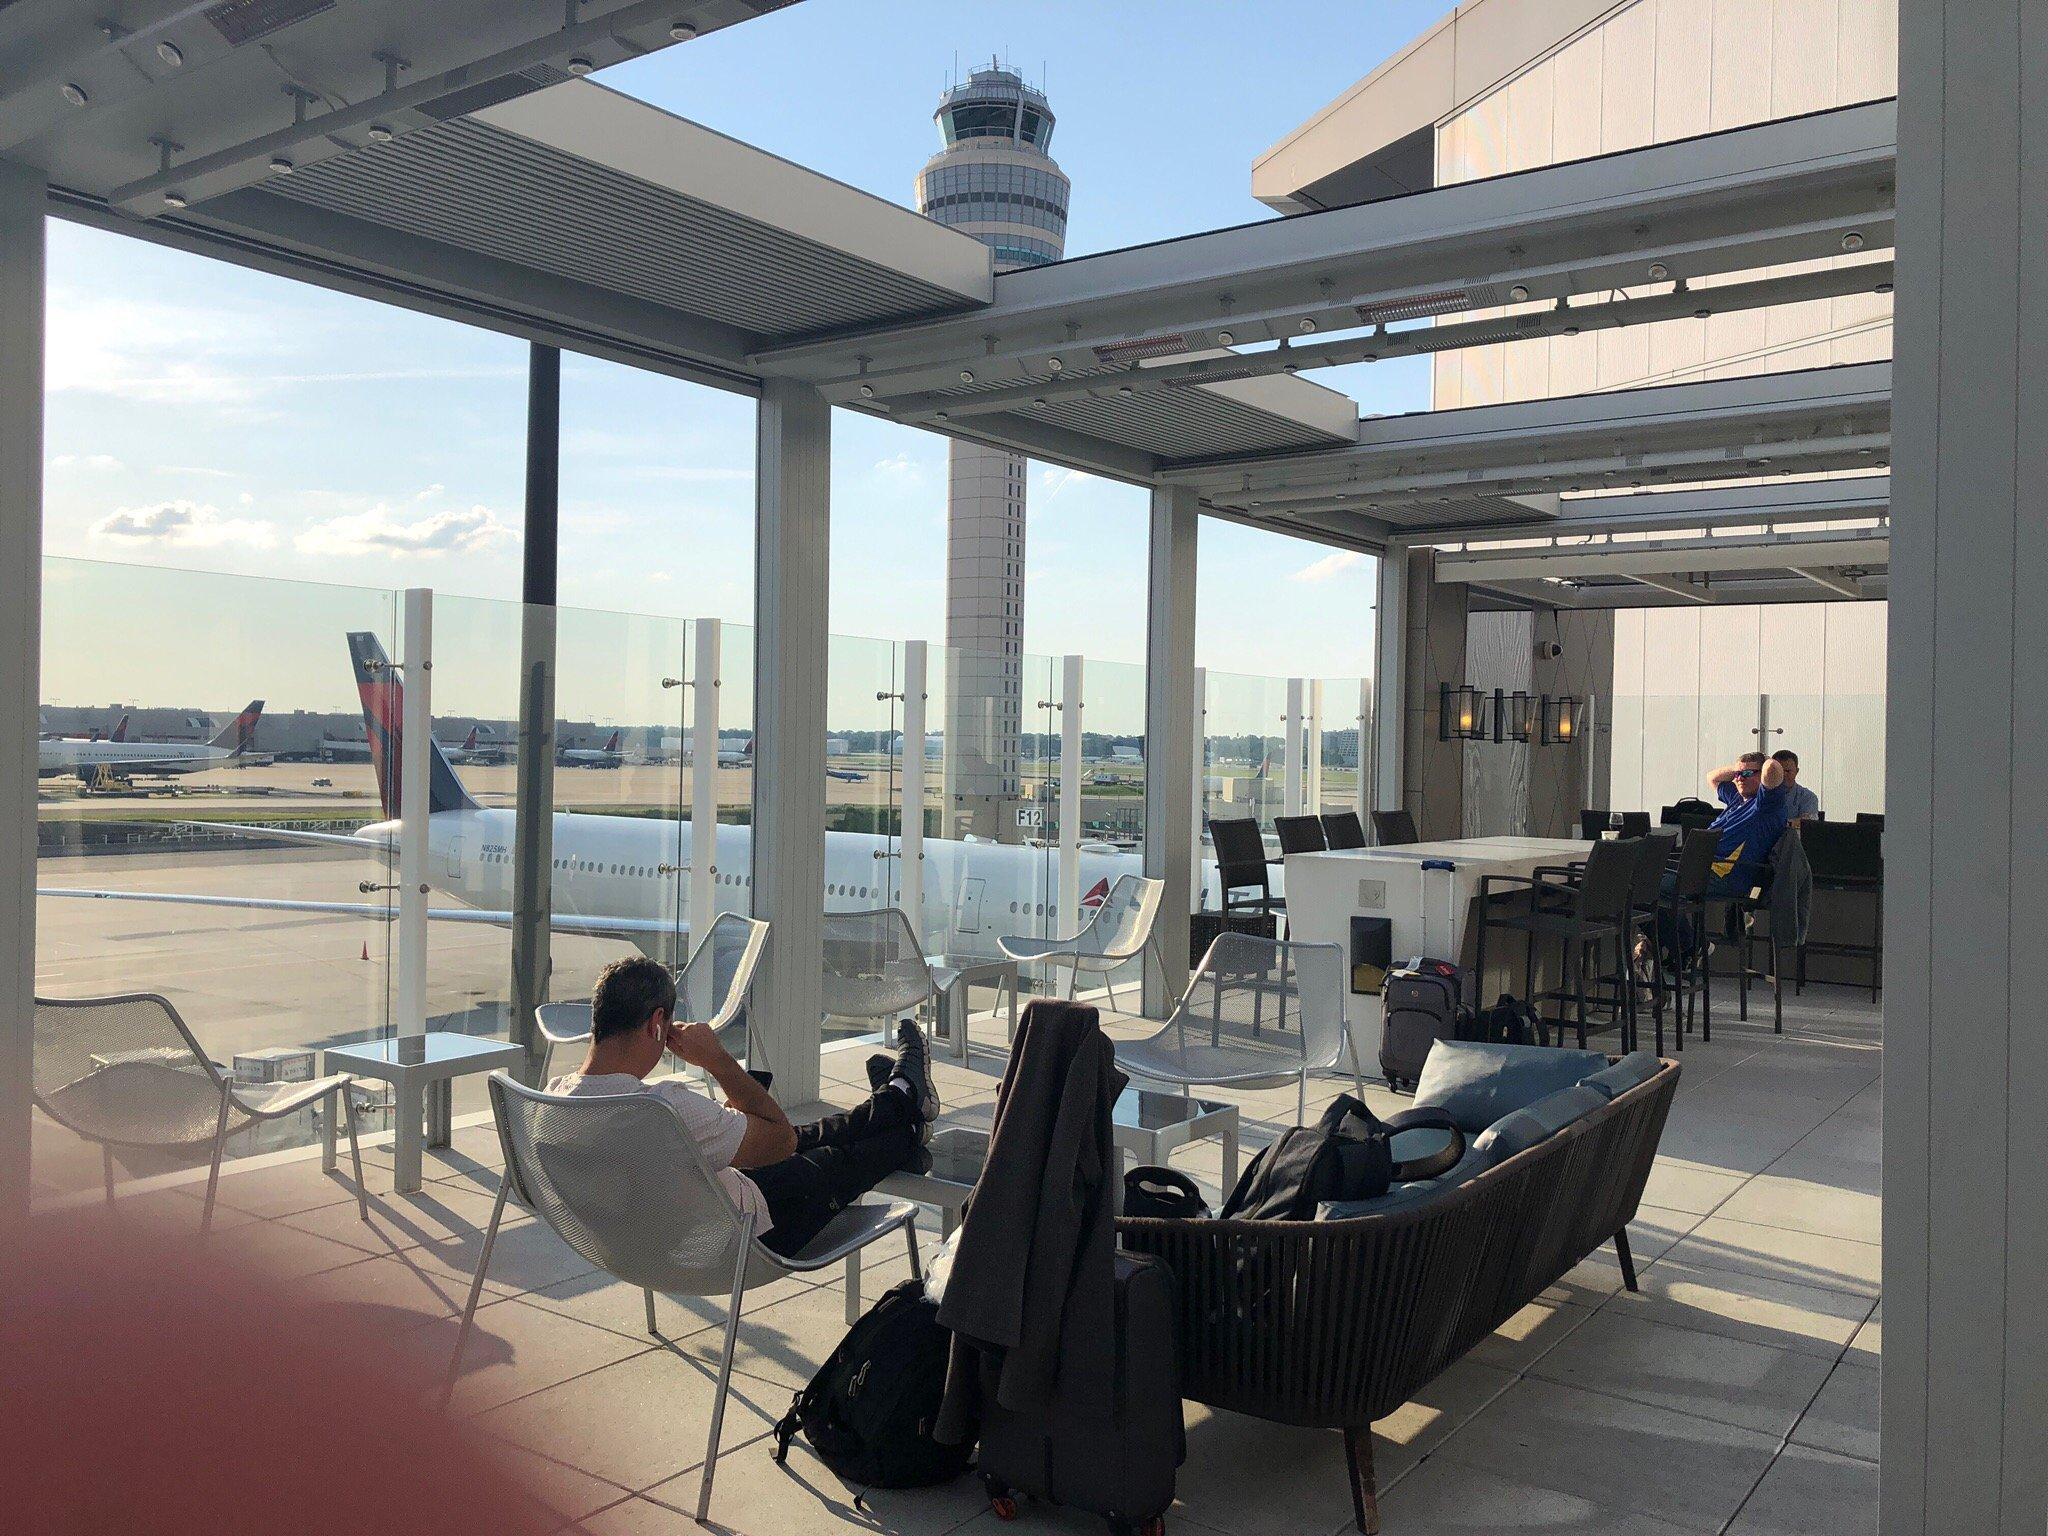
{"x":696,"y":1045}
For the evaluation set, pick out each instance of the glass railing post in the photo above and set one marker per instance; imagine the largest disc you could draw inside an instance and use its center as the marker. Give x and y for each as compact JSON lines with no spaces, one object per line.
{"x":910,"y":838}
{"x":1367,"y":754}
{"x":1199,"y":803}
{"x":415,"y":783}
{"x":1291,"y":752}
{"x":703,"y":860}
{"x":1312,"y":774}
{"x":1070,"y":795}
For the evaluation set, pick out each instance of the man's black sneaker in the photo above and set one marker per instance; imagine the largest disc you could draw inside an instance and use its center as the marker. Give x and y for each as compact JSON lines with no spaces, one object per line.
{"x":914,"y":1066}
{"x":881,"y":1067}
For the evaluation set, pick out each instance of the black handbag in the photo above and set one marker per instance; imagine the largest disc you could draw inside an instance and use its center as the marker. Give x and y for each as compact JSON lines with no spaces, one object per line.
{"x":1346,"y":1155}
{"x":1163,"y":1194}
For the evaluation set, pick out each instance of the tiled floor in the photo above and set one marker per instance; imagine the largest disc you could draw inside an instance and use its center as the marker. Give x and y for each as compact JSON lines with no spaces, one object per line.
{"x":1736,"y":1392}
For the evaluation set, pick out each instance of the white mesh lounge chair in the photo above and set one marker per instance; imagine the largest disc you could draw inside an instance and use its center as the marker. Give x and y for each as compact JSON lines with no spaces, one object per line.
{"x":874,"y":966}
{"x":621,"y":1182}
{"x":1119,"y":930}
{"x":1258,"y":1013}
{"x":125,"y":1071}
{"x":711,"y":989}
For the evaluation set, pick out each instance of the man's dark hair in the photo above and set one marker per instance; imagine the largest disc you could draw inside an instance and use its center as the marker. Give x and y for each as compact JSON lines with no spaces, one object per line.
{"x":1786,"y":756}
{"x":628,"y":994}
{"x":1752,"y":757}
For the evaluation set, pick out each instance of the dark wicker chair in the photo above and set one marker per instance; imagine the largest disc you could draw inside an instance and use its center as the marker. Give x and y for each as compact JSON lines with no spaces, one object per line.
{"x":1335,"y":1324}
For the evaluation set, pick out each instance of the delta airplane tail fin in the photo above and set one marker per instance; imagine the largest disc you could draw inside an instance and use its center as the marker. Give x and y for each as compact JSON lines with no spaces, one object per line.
{"x":383,"y":697}
{"x":469,"y":741}
{"x":239,"y":735}
{"x":612,"y":745}
{"x":120,"y":731}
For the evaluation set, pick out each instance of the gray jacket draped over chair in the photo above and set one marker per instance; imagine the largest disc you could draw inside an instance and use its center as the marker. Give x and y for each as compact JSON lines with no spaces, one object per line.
{"x":1031,"y":1295}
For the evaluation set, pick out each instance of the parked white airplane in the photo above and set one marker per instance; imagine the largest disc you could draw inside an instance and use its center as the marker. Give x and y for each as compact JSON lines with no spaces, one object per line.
{"x":607,"y":756}
{"x":119,"y":759}
{"x":608,"y":878}
{"x":345,"y":749}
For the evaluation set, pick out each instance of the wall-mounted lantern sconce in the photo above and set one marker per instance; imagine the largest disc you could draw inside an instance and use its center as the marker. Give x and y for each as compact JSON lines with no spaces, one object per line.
{"x":1459,"y":716}
{"x":1560,"y":721}
{"x":1523,"y":722}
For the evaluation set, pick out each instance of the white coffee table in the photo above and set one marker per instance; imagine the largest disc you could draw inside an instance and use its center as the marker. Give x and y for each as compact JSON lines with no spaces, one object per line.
{"x":418,"y":1067}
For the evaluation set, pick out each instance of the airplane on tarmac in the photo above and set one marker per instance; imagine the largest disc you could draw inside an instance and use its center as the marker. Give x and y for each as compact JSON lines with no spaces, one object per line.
{"x":607,"y":756}
{"x":343,"y":749}
{"x":119,"y":758}
{"x":848,"y":775}
{"x":611,"y":873}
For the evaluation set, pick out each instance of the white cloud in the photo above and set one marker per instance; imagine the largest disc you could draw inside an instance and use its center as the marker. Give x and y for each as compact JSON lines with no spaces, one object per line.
{"x":1330,"y":565}
{"x":183,"y":525}
{"x":901,"y":468}
{"x":203,"y":471}
{"x":382,"y":531}
{"x":100,"y":461}
{"x":1052,"y":480}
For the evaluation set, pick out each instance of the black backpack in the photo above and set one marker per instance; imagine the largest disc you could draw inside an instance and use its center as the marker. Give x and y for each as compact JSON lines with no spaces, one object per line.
{"x":1346,"y":1155}
{"x":1510,"y":1022}
{"x":868,"y":1413}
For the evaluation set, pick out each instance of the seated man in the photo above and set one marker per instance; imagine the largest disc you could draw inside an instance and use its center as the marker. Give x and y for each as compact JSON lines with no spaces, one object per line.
{"x":791,"y":1179}
{"x":1755,"y":812}
{"x":1801,"y":803}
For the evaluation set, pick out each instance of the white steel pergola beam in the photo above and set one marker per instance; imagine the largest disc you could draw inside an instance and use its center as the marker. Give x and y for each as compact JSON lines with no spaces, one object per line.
{"x":1721,"y":506}
{"x":1771,"y":552}
{"x":1829,"y":581}
{"x":1684,"y":589}
{"x":1737,"y":201}
{"x":1418,"y":340}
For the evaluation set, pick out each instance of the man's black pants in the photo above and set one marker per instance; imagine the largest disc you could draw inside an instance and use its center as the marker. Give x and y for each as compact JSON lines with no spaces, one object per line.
{"x":837,"y":1160}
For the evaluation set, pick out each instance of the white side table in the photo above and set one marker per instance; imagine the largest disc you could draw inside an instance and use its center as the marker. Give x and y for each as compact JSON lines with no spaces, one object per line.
{"x":418,"y":1067}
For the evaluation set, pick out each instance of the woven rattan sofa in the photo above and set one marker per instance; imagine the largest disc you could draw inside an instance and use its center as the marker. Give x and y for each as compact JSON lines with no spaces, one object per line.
{"x":1336,"y":1324}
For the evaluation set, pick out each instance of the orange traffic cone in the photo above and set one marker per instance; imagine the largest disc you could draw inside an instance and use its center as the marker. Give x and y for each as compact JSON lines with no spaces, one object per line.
{"x":366,"y":949}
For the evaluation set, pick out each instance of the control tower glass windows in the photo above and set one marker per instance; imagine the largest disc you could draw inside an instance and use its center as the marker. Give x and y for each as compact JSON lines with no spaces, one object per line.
{"x":980,"y":120}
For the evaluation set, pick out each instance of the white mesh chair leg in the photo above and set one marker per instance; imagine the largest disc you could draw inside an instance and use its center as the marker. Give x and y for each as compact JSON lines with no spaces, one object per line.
{"x":732,"y":1335}
{"x":355,"y":1151}
{"x":107,"y":1169}
{"x":220,"y":1146}
{"x":910,"y":1236}
{"x":1301,"y":1098}
{"x":653,"y":1325}
{"x":476,"y":1290}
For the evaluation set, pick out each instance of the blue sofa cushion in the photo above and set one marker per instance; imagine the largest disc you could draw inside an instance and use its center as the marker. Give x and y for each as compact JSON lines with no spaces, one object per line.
{"x":1402,"y":1196}
{"x":1524,"y":1128}
{"x":1479,"y":1083}
{"x":1631,"y":1071}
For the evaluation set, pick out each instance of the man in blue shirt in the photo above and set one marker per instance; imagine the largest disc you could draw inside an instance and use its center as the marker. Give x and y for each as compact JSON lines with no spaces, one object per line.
{"x":1756,"y":809}
{"x":1801,"y":803}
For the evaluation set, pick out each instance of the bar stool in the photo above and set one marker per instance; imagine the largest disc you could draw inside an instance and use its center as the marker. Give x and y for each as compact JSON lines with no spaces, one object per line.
{"x":1581,"y":917}
{"x":1343,"y":829}
{"x":1692,"y":978}
{"x":1391,"y":829}
{"x":1300,"y":834}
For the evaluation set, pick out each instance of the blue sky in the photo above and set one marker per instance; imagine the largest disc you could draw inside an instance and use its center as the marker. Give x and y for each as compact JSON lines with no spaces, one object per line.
{"x":207,"y":417}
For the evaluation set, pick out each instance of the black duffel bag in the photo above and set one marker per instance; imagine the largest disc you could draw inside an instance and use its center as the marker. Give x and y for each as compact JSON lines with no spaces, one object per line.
{"x":1346,"y":1155}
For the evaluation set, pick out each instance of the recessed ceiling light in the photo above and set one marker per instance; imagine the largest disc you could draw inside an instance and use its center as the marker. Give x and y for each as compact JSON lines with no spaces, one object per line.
{"x":579,"y":65}
{"x":681,"y":31}
{"x":74,"y":93}
{"x":1039,"y":402}
{"x":1519,"y":293}
{"x":1703,"y":314}
{"x":1125,"y":389}
{"x":1571,"y":330}
{"x":1882,"y":288}
{"x":942,"y":415}
{"x":1852,"y":241}
{"x":867,"y":391}
{"x":1224,"y":338}
{"x":1307,"y":326}
{"x":966,"y":375}
{"x":176,"y":200}
{"x":281,"y":167}
{"x":1053,"y":365}
{"x":170,"y":53}
{"x":1658,"y":271}
{"x":381,"y":134}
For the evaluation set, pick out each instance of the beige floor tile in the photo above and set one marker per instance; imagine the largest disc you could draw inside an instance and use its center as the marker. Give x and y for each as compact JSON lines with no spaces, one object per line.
{"x":1779,"y":1313}
{"x":1844,"y":1417}
{"x":513,"y":1350}
{"x":596,"y":1298}
{"x":280,"y":1251}
{"x":1809,"y":1491}
{"x":565,"y":1492}
{"x":1731,"y":1381}
{"x":284,"y":1189}
{"x":1778,"y":1200}
{"x":638,"y":1422}
{"x":1868,"y":1345}
{"x":1443,"y":1498}
{"x":1805,"y":1258}
{"x":1529,"y":1335}
{"x":402,"y":1290}
{"x":1684,"y":1186}
{"x":1603,"y":1449}
{"x":755,"y":1495}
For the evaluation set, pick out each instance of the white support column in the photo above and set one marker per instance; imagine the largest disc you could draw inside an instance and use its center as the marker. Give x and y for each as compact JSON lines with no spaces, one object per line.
{"x":910,"y":842}
{"x":1291,"y":749}
{"x":416,"y":724}
{"x":1071,"y":706}
{"x":1390,"y":680}
{"x":1199,"y":801}
{"x":1965,"y":1389}
{"x":1362,"y":795}
{"x":792,"y":537}
{"x":1312,"y":752}
{"x":1170,"y":725}
{"x":705,"y":679}
{"x":21,"y":553}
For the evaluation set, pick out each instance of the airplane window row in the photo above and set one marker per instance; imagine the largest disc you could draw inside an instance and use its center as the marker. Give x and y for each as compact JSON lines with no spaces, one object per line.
{"x":1030,"y":909}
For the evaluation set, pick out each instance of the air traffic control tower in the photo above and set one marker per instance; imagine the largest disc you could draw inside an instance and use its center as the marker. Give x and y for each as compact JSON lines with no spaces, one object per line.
{"x":995,"y":180}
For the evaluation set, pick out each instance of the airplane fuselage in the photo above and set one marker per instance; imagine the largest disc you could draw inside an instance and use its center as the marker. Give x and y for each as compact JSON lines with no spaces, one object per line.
{"x":86,"y":758}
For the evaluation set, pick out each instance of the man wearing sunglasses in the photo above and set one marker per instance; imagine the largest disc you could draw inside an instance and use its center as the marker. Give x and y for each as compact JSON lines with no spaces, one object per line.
{"x":1755,"y":812}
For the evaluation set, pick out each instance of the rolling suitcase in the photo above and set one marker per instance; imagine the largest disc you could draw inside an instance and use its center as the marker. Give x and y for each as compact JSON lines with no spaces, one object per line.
{"x":1424,"y":1000}
{"x":1120,"y":1461}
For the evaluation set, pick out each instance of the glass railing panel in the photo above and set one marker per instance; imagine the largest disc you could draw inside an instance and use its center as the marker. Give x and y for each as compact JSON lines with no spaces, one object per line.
{"x":1111,"y":838}
{"x":858,"y":771}
{"x":216,"y":839}
{"x":1346,"y":723}
{"x":1849,"y":776}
